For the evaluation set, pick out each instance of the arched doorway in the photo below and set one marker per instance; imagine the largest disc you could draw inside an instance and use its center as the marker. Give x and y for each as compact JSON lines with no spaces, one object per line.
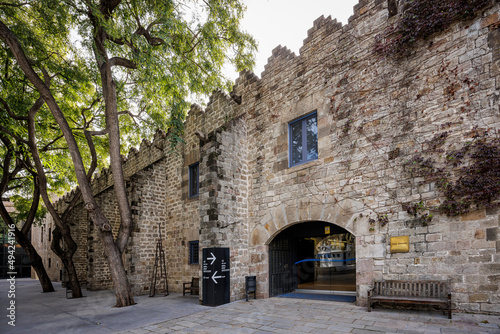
{"x":314,"y":257}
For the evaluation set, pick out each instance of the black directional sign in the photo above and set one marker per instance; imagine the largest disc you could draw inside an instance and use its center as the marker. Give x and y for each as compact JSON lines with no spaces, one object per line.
{"x":215,"y":276}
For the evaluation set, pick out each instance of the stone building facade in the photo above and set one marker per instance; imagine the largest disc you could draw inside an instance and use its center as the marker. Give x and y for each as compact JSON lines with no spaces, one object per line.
{"x":370,"y":116}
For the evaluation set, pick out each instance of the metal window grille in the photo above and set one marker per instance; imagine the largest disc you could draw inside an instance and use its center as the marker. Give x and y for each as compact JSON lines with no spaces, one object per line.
{"x":194,"y":254}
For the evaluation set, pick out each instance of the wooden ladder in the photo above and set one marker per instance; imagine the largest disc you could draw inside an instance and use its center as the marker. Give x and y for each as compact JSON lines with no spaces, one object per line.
{"x":159,"y":269}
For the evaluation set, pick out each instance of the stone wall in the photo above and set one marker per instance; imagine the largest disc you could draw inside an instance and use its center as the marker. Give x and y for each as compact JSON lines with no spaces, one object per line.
{"x":224,"y":194}
{"x":41,"y":238}
{"x":374,"y":113}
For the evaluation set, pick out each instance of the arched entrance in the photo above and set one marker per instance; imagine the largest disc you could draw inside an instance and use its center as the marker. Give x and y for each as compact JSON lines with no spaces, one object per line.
{"x":312,"y":257}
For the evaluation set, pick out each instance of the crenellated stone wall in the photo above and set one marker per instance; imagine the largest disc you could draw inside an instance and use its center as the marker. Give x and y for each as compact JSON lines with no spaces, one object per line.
{"x":374,"y":114}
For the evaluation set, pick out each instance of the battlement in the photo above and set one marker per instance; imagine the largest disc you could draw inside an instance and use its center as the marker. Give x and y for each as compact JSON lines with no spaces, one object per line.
{"x":150,"y":152}
{"x":322,"y":26}
{"x":325,"y":35}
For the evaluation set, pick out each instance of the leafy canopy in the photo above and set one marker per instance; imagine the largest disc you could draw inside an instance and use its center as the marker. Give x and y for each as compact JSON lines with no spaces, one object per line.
{"x":170,"y":52}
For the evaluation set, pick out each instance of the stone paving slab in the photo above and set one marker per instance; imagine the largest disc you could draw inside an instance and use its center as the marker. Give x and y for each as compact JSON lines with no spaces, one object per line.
{"x":52,"y":313}
{"x":310,"y":316}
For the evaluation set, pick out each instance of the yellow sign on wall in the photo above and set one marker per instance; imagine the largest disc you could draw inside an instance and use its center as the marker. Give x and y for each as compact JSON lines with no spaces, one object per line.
{"x":400,"y":244}
{"x":327,"y":229}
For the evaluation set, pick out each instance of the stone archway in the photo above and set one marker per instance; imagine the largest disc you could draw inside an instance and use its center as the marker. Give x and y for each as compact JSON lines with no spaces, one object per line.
{"x":312,"y":257}
{"x":298,"y":211}
{"x":286,"y":215}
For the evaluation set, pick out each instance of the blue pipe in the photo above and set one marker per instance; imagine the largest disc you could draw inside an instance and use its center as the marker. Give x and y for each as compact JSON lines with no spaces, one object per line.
{"x":323,"y":260}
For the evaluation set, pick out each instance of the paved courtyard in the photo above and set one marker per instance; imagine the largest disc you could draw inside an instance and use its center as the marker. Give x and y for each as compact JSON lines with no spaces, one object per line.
{"x":52,"y":313}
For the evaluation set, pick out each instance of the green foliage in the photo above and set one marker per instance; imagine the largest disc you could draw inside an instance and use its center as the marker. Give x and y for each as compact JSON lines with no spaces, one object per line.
{"x":71,"y":85}
{"x":22,"y":204}
{"x":177,"y":48}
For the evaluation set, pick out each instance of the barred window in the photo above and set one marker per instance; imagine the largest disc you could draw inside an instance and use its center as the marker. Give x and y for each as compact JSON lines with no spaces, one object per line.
{"x":194,"y":256}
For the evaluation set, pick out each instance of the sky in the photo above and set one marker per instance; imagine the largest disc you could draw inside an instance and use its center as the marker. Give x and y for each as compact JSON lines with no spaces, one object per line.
{"x":285,"y":23}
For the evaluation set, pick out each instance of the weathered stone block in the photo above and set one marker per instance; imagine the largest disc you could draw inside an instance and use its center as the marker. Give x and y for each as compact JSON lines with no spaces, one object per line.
{"x":433,"y":237}
{"x":473,"y":215}
{"x":478,"y":297}
{"x":492,"y":234}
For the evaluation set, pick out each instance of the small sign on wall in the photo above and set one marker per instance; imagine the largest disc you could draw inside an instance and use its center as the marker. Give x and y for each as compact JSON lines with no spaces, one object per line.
{"x":400,"y":244}
{"x":327,"y":229}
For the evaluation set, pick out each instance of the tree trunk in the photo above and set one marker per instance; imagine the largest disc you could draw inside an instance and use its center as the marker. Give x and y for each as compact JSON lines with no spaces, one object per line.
{"x":117,"y":269}
{"x":76,"y":290}
{"x":66,"y":257}
{"x":113,"y":254}
{"x":36,"y":261}
{"x":114,"y":250}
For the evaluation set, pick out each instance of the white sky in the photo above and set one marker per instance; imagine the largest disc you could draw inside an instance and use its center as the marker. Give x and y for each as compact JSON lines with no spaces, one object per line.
{"x":285,"y":23}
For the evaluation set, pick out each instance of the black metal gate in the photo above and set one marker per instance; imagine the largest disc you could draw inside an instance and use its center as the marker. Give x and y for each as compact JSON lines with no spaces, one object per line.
{"x":283,"y":276}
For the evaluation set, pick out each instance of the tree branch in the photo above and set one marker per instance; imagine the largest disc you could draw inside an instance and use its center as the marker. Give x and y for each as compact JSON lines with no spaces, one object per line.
{"x":14,"y":4}
{"x":93,"y":164}
{"x":8,"y":132}
{"x":34,"y":207}
{"x":107,"y":6}
{"x":122,"y":62}
{"x":153,"y":41}
{"x":47,"y":147}
{"x":11,"y":114}
{"x":96,"y":133}
{"x":86,"y":124}
{"x":6,"y":163}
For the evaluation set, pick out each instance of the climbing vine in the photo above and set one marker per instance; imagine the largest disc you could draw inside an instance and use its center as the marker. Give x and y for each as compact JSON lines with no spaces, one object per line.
{"x":405,"y":144}
{"x":422,"y":18}
{"x":468,"y":178}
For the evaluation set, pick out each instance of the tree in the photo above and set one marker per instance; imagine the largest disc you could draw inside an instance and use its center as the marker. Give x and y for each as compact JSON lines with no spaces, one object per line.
{"x":31,"y":135}
{"x":150,"y":56}
{"x":9,"y":174}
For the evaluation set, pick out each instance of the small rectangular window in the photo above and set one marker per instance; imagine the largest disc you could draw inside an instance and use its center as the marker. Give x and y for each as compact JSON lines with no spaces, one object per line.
{"x":194,"y":257}
{"x":303,"y":140}
{"x":194,"y":184}
{"x":50,"y":234}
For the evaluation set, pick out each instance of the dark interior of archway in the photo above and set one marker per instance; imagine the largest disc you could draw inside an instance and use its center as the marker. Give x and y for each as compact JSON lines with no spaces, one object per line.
{"x":299,"y":259}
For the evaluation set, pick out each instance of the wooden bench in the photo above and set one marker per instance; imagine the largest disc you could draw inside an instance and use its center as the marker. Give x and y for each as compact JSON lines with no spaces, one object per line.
{"x":411,"y":292}
{"x":193,"y":286}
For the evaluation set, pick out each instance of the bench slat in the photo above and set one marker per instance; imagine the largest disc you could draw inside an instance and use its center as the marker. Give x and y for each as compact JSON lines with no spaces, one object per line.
{"x":412,"y":299}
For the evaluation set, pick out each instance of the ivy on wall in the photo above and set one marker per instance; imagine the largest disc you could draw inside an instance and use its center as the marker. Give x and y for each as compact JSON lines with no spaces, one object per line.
{"x":468,"y":177}
{"x":422,"y":18}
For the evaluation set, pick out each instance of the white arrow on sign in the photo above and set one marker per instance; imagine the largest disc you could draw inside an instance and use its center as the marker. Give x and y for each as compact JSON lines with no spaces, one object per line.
{"x":214,"y":277}
{"x":211,"y":258}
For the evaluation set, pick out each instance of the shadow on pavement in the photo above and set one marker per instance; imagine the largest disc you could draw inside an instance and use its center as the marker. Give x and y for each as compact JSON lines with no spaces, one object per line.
{"x":39,"y":313}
